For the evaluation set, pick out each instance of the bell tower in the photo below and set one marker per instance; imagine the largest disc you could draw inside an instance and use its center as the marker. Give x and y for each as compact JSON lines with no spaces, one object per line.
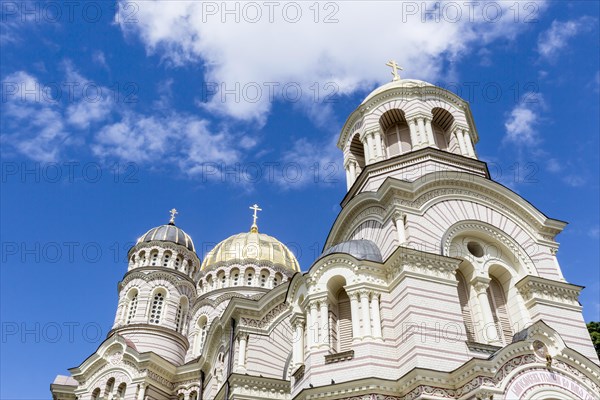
{"x":406,"y":129}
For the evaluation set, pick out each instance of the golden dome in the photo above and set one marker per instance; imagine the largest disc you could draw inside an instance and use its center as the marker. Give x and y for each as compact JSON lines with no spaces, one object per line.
{"x":254,"y":247}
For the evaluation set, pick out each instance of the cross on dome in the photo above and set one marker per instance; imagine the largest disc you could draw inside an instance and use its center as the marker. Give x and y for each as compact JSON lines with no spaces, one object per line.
{"x":254,"y":228}
{"x":395,"y":68}
{"x":173,"y":214}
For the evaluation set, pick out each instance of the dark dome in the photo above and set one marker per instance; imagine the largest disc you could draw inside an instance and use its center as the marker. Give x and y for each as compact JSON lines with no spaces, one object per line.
{"x":168,"y":233}
{"x":360,"y":249}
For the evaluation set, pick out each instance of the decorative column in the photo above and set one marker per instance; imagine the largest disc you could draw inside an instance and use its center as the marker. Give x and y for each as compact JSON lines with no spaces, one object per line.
{"x":399,"y":222}
{"x":243,"y":342}
{"x":313,"y":325}
{"x":375,"y":314}
{"x":367,"y":150}
{"x":298,"y":345}
{"x":460,"y":140}
{"x":355,"y":315}
{"x":366,"y":318}
{"x":429,"y":130}
{"x":414,"y":136}
{"x":324,"y":337}
{"x":468,"y":143}
{"x":141,"y":390}
{"x":480,"y":284}
{"x":372,"y":153}
{"x":352,"y":164}
{"x":378,"y":147}
{"x":348,"y":180}
{"x":422,"y":134}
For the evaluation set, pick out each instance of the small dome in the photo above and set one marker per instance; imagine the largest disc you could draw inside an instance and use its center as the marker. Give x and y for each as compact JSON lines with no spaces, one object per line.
{"x":400,"y":83}
{"x":168,"y":233}
{"x":252,"y":246}
{"x":360,"y":249}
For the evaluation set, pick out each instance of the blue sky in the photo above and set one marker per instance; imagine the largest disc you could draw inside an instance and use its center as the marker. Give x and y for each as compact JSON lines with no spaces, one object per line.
{"x":110,"y":119}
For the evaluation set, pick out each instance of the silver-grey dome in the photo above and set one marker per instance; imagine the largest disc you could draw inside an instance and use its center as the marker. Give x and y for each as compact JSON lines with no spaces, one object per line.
{"x":168,"y":233}
{"x":361,"y":249}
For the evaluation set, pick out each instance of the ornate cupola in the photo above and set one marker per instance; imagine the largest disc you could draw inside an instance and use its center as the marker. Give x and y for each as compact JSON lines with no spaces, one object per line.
{"x":246,"y":261}
{"x":156,"y":292}
{"x":406,"y":129}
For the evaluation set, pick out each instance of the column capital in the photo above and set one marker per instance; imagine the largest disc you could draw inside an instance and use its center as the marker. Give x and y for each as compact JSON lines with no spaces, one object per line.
{"x":419,"y":114}
{"x":480,"y":284}
{"x":398,"y":215}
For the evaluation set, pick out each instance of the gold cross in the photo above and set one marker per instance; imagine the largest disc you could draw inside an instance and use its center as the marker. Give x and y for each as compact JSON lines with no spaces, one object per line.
{"x":395,"y":67}
{"x":173,"y":214}
{"x":254,"y":227}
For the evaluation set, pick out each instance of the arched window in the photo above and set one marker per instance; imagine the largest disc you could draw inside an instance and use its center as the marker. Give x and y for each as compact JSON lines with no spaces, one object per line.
{"x":357,"y":150}
{"x":157,"y":307}
{"x":181,"y":314}
{"x":96,"y":394}
{"x":110,"y":384}
{"x":201,"y":328}
{"x":142,"y":259}
{"x":441,"y":125}
{"x":154,"y":257}
{"x":209,"y":282}
{"x":221,"y":278}
{"x":396,"y":132}
{"x":178,"y":262}
{"x":121,"y":391}
{"x":194,"y":395}
{"x":235,"y":277}
{"x":277,"y":279}
{"x":166,"y":258}
{"x":340,"y":316}
{"x":497,"y":300}
{"x":463,"y":298}
{"x":264,"y":275}
{"x":249,"y":278}
{"x":132,"y":306}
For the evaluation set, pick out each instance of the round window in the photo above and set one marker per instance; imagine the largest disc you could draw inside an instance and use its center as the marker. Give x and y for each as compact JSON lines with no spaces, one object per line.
{"x":475,"y":249}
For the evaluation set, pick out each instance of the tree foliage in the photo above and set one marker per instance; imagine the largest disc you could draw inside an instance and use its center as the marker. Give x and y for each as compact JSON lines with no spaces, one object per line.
{"x":594,"y":330}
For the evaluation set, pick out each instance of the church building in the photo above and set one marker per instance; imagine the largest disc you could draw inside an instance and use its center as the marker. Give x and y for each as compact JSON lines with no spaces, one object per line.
{"x":435,"y":283}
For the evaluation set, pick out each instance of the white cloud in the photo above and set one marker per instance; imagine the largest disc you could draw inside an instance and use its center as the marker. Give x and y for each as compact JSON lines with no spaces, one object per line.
{"x":264,"y":48}
{"x":552,"y":41}
{"x":309,"y":163}
{"x":183,"y":140}
{"x":34,"y":124}
{"x":82,"y":113}
{"x":522,"y":121}
{"x":594,"y":232}
{"x":554,"y":166}
{"x":574,"y":180}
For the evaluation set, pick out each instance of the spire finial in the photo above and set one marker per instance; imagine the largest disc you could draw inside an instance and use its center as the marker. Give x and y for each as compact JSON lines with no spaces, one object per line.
{"x":254,"y":227}
{"x":173,"y":214}
{"x":395,"y":68}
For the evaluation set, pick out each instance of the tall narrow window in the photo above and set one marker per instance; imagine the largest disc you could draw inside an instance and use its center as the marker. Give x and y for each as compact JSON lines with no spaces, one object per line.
{"x":181,"y":314}
{"x":110,"y":384}
{"x":277,"y":279}
{"x":96,"y":394}
{"x":178,"y":318}
{"x":249,"y":276}
{"x":157,"y":308}
{"x":178,"y":261}
{"x":121,"y":391}
{"x":499,"y":311}
{"x":202,"y":327}
{"x":154,"y":257}
{"x":344,"y":322}
{"x":263,"y":278}
{"x":166,"y":258}
{"x":463,"y":298}
{"x":133,"y":302}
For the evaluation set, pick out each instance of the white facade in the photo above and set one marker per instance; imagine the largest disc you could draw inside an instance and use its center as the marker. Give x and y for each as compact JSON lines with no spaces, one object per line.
{"x":436,"y":283}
